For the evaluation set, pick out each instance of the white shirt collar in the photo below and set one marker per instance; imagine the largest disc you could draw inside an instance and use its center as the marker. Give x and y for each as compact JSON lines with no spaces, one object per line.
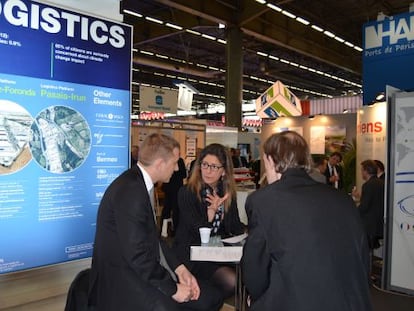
{"x":149,"y":184}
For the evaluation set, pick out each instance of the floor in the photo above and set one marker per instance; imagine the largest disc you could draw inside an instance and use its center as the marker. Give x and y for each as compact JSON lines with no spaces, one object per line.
{"x":58,"y":304}
{"x":382,"y":301}
{"x":45,"y":289}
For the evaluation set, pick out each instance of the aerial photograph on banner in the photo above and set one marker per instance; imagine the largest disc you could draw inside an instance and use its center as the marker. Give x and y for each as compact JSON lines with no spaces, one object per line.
{"x":61,"y":139}
{"x":15,"y":124}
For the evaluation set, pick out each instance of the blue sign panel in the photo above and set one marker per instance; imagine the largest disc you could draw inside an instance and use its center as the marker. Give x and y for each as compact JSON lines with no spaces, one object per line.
{"x":64,"y":129}
{"x":388,"y":57}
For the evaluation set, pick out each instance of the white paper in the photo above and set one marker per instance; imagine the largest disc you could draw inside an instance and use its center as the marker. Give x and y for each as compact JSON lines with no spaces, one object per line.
{"x":235,"y":239}
{"x":216,"y":253}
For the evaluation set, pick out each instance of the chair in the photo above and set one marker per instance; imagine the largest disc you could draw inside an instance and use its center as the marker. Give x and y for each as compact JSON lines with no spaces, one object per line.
{"x":77,"y":298}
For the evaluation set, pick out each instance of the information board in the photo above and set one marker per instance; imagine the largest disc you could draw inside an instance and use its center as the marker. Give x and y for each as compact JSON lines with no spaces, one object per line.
{"x":400,"y":264}
{"x":65,"y":81}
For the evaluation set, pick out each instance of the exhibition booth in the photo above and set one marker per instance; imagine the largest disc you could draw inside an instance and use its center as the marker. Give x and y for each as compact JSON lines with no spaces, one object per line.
{"x":65,"y":136}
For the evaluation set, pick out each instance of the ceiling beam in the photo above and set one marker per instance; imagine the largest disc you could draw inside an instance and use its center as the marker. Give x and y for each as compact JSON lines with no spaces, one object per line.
{"x":176,"y":67}
{"x":275,"y":28}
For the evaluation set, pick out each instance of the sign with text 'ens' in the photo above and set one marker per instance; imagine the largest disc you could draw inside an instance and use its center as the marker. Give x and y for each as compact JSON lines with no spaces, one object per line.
{"x":278,"y":101}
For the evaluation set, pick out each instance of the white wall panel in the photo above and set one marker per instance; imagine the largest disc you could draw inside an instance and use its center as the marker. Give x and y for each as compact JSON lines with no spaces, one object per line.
{"x":335,"y":105}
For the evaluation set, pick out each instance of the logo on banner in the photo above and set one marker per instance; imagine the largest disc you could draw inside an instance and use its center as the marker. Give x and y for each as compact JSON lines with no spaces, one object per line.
{"x":406,"y":205}
{"x":53,"y":21}
{"x":393,"y":35}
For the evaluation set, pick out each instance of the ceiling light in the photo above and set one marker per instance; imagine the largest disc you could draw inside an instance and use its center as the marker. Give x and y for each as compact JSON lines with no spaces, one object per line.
{"x":261,"y":1}
{"x":317,"y":28}
{"x":288,"y":14}
{"x":221,"y":26}
{"x":193,"y":32}
{"x":161,"y":56}
{"x":174,"y":26}
{"x":339,"y":39}
{"x":274,"y":7}
{"x":329,"y":34}
{"x":146,"y":52}
{"x":133,"y":13}
{"x":208,"y":37}
{"x":380,"y":96}
{"x":154,"y":20}
{"x":302,"y":20}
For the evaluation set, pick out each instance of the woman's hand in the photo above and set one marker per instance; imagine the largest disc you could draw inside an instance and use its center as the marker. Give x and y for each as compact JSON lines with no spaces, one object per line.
{"x":215,"y":202}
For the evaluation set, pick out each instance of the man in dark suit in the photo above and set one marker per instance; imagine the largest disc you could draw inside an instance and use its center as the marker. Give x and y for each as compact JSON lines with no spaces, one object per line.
{"x":238,"y":160}
{"x":131,"y":268}
{"x":134,"y":155}
{"x":306,"y":248}
{"x":171,"y":194}
{"x":371,"y":206}
{"x":334,"y":173}
{"x":381,"y":169}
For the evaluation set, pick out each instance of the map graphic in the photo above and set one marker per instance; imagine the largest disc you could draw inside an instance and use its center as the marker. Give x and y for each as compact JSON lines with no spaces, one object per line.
{"x":61,"y":139}
{"x":405,"y":138}
{"x":15,"y":124}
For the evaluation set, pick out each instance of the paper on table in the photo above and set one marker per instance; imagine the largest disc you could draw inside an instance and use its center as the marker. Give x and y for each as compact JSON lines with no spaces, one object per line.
{"x":216,"y":253}
{"x":235,"y":239}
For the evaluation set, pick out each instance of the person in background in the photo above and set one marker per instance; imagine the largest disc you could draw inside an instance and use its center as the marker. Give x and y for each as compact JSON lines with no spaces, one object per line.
{"x":371,"y":206}
{"x":171,"y":194}
{"x":134,"y":155}
{"x":334,"y":172}
{"x":306,"y":248}
{"x":131,"y":268}
{"x":190,"y":169}
{"x":255,"y":167}
{"x":381,"y":169}
{"x":318,"y":169}
{"x":209,"y":200}
{"x":238,"y":160}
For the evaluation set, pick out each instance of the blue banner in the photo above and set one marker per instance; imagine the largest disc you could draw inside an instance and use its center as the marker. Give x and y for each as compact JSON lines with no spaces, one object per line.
{"x":388,"y":57}
{"x":65,"y":83}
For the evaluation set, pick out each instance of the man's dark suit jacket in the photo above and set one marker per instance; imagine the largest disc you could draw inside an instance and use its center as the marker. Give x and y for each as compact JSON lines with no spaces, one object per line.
{"x":340,"y":173}
{"x":371,"y":207}
{"x":126,"y":274}
{"x":239,"y":161}
{"x":306,"y":249}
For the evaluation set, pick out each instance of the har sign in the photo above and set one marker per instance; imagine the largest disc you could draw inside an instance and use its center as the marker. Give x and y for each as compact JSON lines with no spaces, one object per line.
{"x":278,"y":101}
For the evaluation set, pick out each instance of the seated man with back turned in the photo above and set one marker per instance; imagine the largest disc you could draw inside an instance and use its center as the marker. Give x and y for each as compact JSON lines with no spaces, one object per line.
{"x":132,"y":270}
{"x":306,"y":249}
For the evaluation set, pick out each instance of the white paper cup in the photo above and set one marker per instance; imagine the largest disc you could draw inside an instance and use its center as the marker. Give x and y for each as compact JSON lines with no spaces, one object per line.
{"x":205,"y":235}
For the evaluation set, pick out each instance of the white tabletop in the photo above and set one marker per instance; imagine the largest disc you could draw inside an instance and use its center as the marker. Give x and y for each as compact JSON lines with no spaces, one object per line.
{"x":216,"y":251}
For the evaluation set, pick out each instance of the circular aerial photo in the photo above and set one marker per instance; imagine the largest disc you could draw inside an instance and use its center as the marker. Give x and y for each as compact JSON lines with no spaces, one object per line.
{"x":61,"y":139}
{"x":15,"y":124}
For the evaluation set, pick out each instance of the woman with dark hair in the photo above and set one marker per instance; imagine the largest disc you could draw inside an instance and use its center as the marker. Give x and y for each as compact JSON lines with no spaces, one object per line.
{"x":209,"y":200}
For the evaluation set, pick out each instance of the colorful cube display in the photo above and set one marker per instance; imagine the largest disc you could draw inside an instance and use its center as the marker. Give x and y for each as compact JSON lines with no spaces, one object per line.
{"x":278,"y":101}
